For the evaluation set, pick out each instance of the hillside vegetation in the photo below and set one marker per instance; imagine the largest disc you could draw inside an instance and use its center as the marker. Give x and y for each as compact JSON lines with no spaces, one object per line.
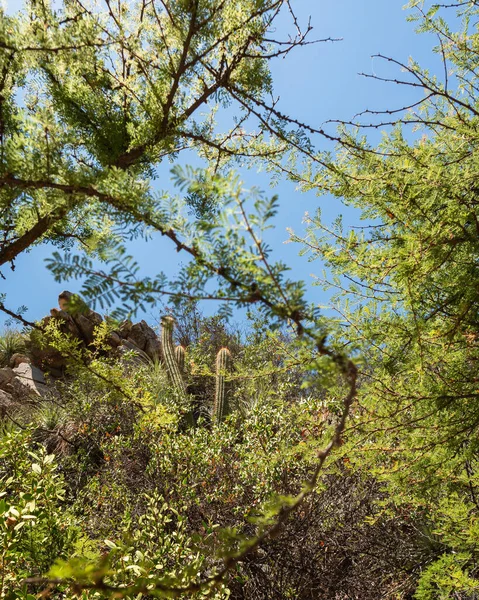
{"x":122,"y":479}
{"x":305,"y":456}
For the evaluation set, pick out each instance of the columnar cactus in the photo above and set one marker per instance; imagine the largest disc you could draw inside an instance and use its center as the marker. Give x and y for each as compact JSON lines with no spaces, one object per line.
{"x":222,"y":406}
{"x":172,"y":368}
{"x":180,"y":354}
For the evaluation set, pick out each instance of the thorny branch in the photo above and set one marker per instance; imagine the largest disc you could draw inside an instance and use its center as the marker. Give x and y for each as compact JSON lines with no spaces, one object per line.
{"x":221,"y":79}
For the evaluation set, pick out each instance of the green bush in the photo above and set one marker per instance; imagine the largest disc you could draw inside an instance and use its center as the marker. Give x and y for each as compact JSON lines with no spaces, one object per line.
{"x":35,"y":528}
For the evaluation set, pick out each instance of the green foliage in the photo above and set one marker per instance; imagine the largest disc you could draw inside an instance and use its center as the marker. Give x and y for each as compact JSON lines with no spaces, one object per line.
{"x":11,"y":342}
{"x":157,"y":505}
{"x":404,"y":290}
{"x":107,"y":95}
{"x":35,"y":528}
{"x":153,"y":550}
{"x":446,"y":578}
{"x":123,"y":446}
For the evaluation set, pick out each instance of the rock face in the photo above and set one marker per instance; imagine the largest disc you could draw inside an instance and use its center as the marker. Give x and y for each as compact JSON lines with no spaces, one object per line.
{"x":18,"y":359}
{"x":19,"y":383}
{"x":139,"y":357}
{"x":24,"y":377}
{"x":6,"y":376}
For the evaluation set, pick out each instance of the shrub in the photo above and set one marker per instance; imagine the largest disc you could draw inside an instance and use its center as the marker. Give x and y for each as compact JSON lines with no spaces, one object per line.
{"x":11,"y":342}
{"x":35,"y":530}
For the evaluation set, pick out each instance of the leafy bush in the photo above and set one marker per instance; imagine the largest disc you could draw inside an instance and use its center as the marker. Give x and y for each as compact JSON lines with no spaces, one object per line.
{"x":448,"y":577}
{"x":35,"y":528}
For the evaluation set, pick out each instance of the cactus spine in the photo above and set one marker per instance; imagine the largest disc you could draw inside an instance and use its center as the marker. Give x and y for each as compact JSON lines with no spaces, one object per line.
{"x":180,"y":354}
{"x":222,"y":406}
{"x":172,"y":367}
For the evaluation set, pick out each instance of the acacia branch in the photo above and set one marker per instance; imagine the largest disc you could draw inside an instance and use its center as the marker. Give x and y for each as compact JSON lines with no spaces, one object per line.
{"x":31,"y":236}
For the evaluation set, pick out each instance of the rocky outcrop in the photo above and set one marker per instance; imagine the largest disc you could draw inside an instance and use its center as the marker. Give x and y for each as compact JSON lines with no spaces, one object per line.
{"x":18,"y":359}
{"x":132,"y":354}
{"x":77,"y":320}
{"x":144,"y":338}
{"x":6,"y":377}
{"x":24,"y":377}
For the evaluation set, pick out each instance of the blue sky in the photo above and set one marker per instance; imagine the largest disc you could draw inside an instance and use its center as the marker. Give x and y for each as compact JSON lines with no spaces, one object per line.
{"x":315,"y":83}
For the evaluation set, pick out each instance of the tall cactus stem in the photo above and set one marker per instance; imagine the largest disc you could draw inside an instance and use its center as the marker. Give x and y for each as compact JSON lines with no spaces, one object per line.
{"x":168,"y":348}
{"x":180,"y":355}
{"x":222,"y":406}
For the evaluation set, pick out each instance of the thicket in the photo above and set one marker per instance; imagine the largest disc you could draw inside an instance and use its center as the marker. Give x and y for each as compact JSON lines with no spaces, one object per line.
{"x":115,"y":488}
{"x":347,"y":467}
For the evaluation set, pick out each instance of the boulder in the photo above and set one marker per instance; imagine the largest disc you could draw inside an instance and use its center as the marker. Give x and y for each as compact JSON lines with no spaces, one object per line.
{"x":49,"y":361}
{"x":138,"y":335}
{"x":153,"y":348}
{"x":45,"y":358}
{"x":80,"y":319}
{"x":6,"y":377}
{"x":139,"y":357}
{"x":64,"y":300}
{"x":31,"y":378}
{"x":66,"y":323}
{"x":21,"y":382}
{"x":145,"y":338}
{"x":6,"y":402}
{"x":18,"y":359}
{"x":125,"y":328}
{"x":58,"y":313}
{"x":114,"y":339}
{"x":75,"y":318}
{"x":86,"y":324}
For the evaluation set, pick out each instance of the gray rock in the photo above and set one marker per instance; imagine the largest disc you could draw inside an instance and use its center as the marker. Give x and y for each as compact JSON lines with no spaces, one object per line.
{"x":48,"y":360}
{"x":31,"y":378}
{"x":44,"y":357}
{"x":64,"y":299}
{"x":6,"y":376}
{"x":18,"y":359}
{"x":153,"y":348}
{"x":145,"y":338}
{"x":6,"y":402}
{"x":58,"y":313}
{"x":67,"y":324}
{"x":138,"y":334}
{"x":114,"y":339}
{"x":75,"y":318}
{"x":125,"y":328}
{"x":139,"y":357}
{"x":30,"y":372}
{"x":86,"y":324}
{"x":80,"y":320}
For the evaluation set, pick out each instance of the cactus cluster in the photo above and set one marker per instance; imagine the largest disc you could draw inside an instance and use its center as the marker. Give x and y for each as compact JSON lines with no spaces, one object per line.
{"x":175,"y":367}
